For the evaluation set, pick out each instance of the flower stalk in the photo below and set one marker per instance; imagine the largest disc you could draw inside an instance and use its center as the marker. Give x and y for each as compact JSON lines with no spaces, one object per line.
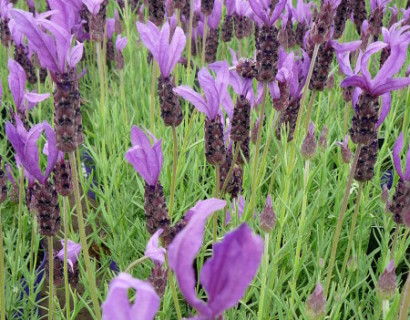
{"x":83,"y":237}
{"x":217,"y":182}
{"x":352,"y":229}
{"x":394,"y":243}
{"x":189,"y":47}
{"x":174,"y":172}
{"x":173,"y":289}
{"x":265,"y":265}
{"x":341,"y":218}
{"x":204,"y":40}
{"x":405,"y":300}
{"x":2,"y":275}
{"x":20,"y":219}
{"x":50,"y":277}
{"x":66,"y":285}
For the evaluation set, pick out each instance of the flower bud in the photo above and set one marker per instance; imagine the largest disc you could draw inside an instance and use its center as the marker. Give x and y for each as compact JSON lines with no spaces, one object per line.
{"x":268,"y":217}
{"x":322,"y":140}
{"x":386,"y":286}
{"x":316,"y":304}
{"x":384,"y":197}
{"x":308,"y":149}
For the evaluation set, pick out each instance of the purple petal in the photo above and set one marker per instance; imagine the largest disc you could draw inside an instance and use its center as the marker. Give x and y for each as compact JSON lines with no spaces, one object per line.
{"x":277,"y":11}
{"x":193,"y":97}
{"x":398,"y":146}
{"x":117,"y":305}
{"x":355,"y":81}
{"x":120,"y":43}
{"x":139,"y":138}
{"x":73,"y":251}
{"x":42,"y":43}
{"x":393,"y":63}
{"x":185,"y":247}
{"x":175,"y":50}
{"x":17,"y":82}
{"x":149,"y":34}
{"x":231,"y":269}
{"x":76,"y":53}
{"x":386,"y":101}
{"x":110,"y":27}
{"x":163,"y":48}
{"x":407,"y":172}
{"x":208,"y":84}
{"x":139,"y":160}
{"x":34,"y":98}
{"x":16,"y":140}
{"x":153,"y":250}
{"x":215,"y":16}
{"x":93,"y":5}
{"x":390,"y":84}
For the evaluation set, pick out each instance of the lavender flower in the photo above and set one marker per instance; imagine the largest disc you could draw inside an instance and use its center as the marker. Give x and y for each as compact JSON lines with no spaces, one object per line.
{"x":146,"y":159}
{"x":96,"y":17}
{"x":227,"y":25}
{"x":309,"y":145}
{"x":118,"y":306}
{"x":268,"y":216}
{"x":110,"y":25}
{"x":120,"y":44}
{"x":73,"y":251}
{"x":215,"y":92}
{"x":401,"y":197}
{"x":212,"y":37}
{"x":377,"y":9}
{"x":242,"y":19}
{"x":167,"y":53}
{"x":394,"y":36}
{"x":303,"y":16}
{"x":238,"y":203}
{"x":224,"y":284}
{"x":322,"y":27}
{"x":345,"y":150}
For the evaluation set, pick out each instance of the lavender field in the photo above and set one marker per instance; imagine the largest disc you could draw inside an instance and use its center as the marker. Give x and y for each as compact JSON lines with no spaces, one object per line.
{"x":204,"y":159}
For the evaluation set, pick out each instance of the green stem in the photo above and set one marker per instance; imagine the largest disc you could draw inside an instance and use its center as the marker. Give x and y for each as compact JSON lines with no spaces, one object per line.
{"x":300,"y":233}
{"x":174,"y":172}
{"x":66,"y":285}
{"x":101,"y":76}
{"x":173,"y":289}
{"x":352,"y":229}
{"x":217,"y":178}
{"x":306,"y":89}
{"x":50,"y":277}
{"x":405,"y":300}
{"x":136,"y":262}
{"x":2,"y":275}
{"x":20,"y":219}
{"x":310,"y":110}
{"x":83,"y":237}
{"x":346,"y":117}
{"x":189,"y":46}
{"x":204,"y":40}
{"x":265,"y":265}
{"x":341,"y":218}
{"x":252,"y":206}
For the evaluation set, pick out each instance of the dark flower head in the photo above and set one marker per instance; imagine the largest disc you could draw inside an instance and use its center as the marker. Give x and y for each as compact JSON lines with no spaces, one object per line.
{"x":309,"y":145}
{"x":316,"y":304}
{"x":386,"y":286}
{"x":346,"y":153}
{"x":268,"y":217}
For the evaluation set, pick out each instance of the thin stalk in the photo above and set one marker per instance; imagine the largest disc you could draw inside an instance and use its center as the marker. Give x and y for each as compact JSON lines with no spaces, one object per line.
{"x":20,"y":219}
{"x":124,"y":105}
{"x":300,"y":233}
{"x":251,"y":208}
{"x":341,"y":218}
{"x":217,"y":178}
{"x":352,"y":229}
{"x":405,"y":300}
{"x":393,"y":246}
{"x":83,"y":237}
{"x":228,"y":177}
{"x":2,"y":276}
{"x":306,"y":89}
{"x":50,"y":277}
{"x":173,"y":289}
{"x":189,"y":46}
{"x":152,"y":102}
{"x":101,"y":76}
{"x":265,"y":265}
{"x":310,"y":110}
{"x":66,"y":285}
{"x":204,"y":40}
{"x":136,"y":262}
{"x":174,"y":172}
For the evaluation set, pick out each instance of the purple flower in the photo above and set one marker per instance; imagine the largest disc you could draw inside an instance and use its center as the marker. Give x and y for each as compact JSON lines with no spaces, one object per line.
{"x":93,"y":5}
{"x":230,"y":7}
{"x":264,"y":13}
{"x":165,"y":52}
{"x":214,"y":89}
{"x":243,"y":9}
{"x":303,"y":12}
{"x":117,"y":305}
{"x":73,"y":250}
{"x":396,"y":35}
{"x":17,"y":82}
{"x":110,"y":27}
{"x":240,"y":205}
{"x":227,"y":274}
{"x":25,"y":146}
{"x":146,"y":159}
{"x":215,"y":17}
{"x":120,"y":43}
{"x":54,"y":51}
{"x":378,"y":4}
{"x":398,"y":147}
{"x":387,"y":283}
{"x":316,"y":303}
{"x":153,"y":250}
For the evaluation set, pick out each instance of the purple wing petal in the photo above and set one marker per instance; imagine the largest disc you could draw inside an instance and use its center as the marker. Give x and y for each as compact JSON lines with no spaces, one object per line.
{"x":120,"y":43}
{"x":193,"y":97}
{"x":15,"y":139}
{"x":153,"y":250}
{"x":156,"y":162}
{"x":355,"y":81}
{"x":221,"y":81}
{"x":407,"y":172}
{"x":17,"y":82}
{"x":398,"y":146}
{"x":277,"y":11}
{"x":163,"y":48}
{"x":34,"y":98}
{"x":386,"y":101}
{"x":185,"y":247}
{"x":139,"y":138}
{"x":231,"y":269}
{"x":73,"y":251}
{"x":76,"y":53}
{"x":390,"y":84}
{"x":207,"y":83}
{"x":149,"y":34}
{"x":176,"y":48}
{"x":139,"y":160}
{"x":93,"y":6}
{"x":31,"y":154}
{"x":53,"y":152}
{"x":110,"y":27}
{"x":117,"y":305}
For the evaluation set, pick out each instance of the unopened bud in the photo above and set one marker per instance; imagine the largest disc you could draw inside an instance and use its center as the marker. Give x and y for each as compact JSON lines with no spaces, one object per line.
{"x":384,"y":197}
{"x":309,"y":145}
{"x":386,"y":286}
{"x":316,"y":304}
{"x":268,"y":217}
{"x":322,"y":139}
